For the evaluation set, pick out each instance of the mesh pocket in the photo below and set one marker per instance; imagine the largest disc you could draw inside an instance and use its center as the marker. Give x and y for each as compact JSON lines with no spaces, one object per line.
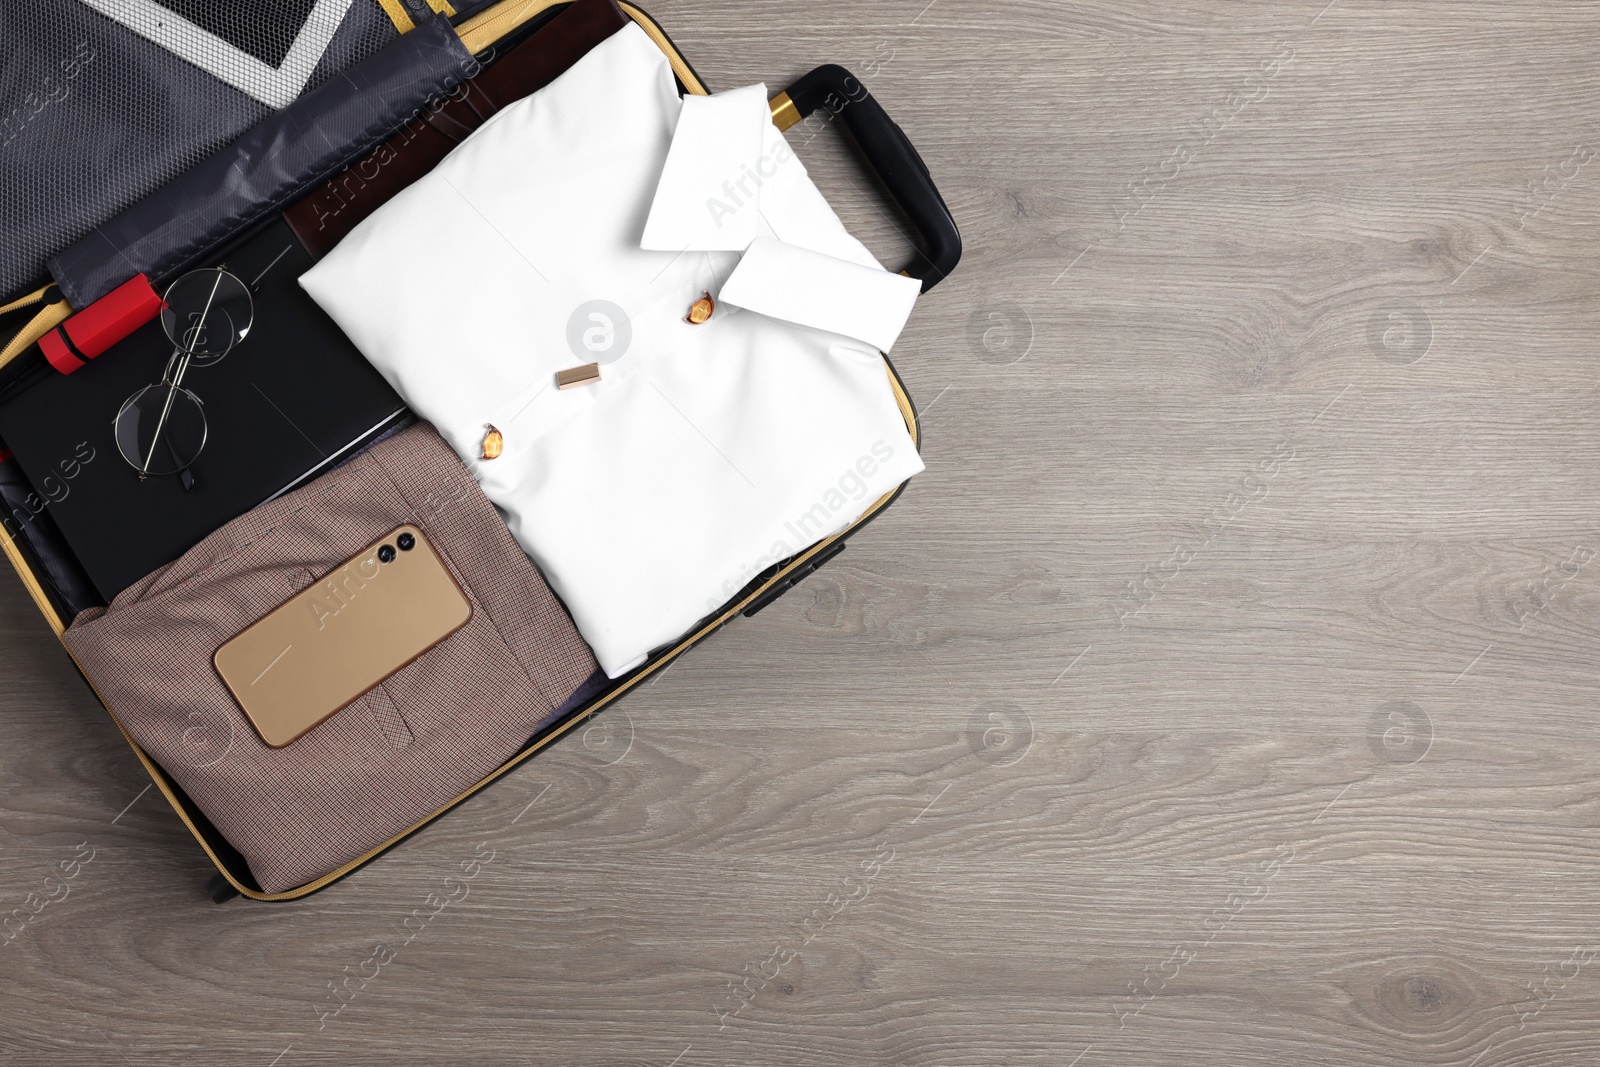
{"x":102,"y":102}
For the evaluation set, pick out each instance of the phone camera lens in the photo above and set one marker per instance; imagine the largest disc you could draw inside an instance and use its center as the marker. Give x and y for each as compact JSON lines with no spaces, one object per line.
{"x":386,"y":554}
{"x":406,"y":542}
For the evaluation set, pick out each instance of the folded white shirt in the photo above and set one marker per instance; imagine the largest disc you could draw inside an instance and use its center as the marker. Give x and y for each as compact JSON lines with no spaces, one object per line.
{"x":705,"y":452}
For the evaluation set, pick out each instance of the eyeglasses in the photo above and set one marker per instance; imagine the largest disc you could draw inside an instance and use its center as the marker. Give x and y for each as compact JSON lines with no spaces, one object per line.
{"x":161,"y":429}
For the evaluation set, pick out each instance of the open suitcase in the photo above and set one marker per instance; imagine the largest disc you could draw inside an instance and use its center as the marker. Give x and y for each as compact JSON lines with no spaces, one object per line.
{"x":492,"y":34}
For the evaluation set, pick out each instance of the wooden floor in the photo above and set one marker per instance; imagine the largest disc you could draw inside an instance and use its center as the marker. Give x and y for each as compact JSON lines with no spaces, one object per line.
{"x":1224,"y":693}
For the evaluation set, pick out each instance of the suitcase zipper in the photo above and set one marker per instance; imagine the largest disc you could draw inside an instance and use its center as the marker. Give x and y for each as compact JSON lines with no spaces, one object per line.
{"x":52,"y":314}
{"x":35,"y":297}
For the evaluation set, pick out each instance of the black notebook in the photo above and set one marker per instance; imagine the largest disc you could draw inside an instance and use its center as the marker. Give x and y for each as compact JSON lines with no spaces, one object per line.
{"x":291,"y":400}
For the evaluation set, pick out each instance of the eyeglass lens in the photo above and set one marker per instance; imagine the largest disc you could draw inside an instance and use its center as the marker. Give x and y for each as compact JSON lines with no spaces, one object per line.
{"x":207,"y":312}
{"x":183,"y":429}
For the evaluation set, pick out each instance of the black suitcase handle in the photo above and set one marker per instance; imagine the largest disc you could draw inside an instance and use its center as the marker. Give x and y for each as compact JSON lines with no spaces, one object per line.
{"x":891,"y":156}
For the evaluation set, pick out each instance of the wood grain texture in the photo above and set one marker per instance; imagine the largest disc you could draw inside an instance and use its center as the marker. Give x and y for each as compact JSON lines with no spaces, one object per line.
{"x":1224,"y":693}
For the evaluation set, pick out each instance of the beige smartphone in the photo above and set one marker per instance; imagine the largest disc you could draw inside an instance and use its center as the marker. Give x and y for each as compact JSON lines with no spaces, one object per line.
{"x":342,"y":635}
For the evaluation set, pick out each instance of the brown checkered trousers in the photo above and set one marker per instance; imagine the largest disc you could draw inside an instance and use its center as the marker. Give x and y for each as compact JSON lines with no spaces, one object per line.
{"x":403,"y":750}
